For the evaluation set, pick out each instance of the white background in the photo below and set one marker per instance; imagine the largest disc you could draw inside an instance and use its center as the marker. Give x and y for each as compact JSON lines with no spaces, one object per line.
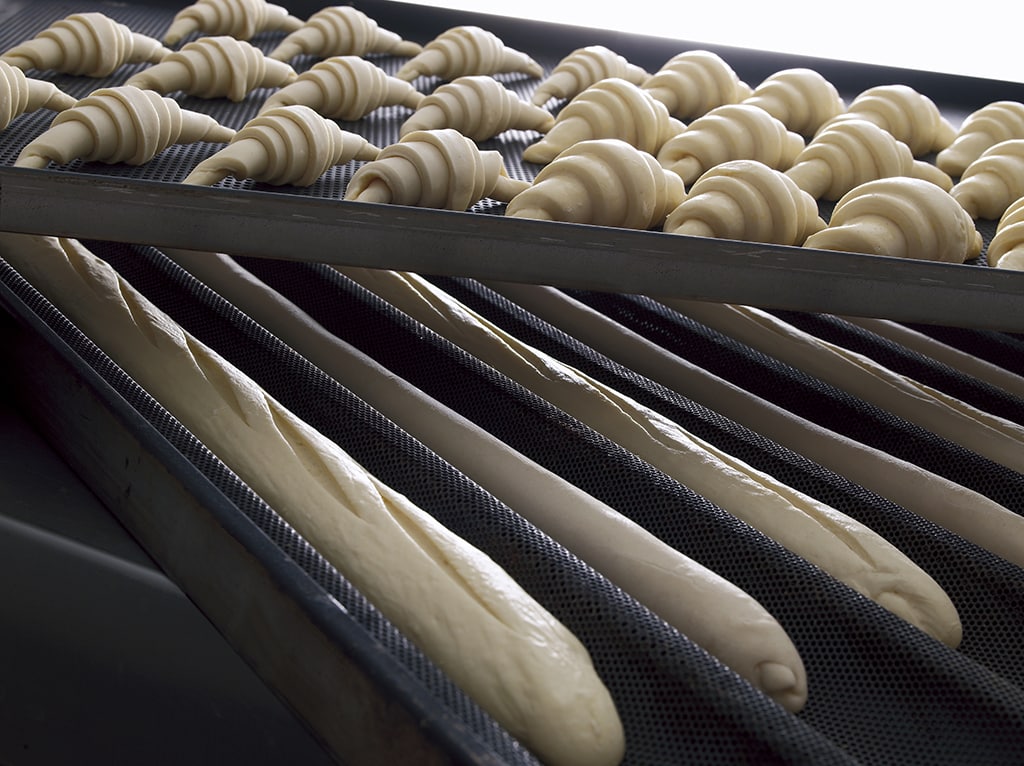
{"x":978,"y":39}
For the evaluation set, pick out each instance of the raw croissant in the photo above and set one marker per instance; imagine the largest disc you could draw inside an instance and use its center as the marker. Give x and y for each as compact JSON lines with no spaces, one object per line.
{"x":582,"y":68}
{"x":851,"y":152}
{"x":693,"y":83}
{"x":20,"y":95}
{"x":120,"y":124}
{"x":611,"y":108}
{"x":910,"y":116}
{"x":214,"y":67}
{"x":730,"y":132}
{"x":466,"y":50}
{"x":746,"y":200}
{"x":440,"y":169}
{"x":478,"y":106}
{"x":801,"y":98}
{"x":1006,"y":250}
{"x":603,"y":182}
{"x":345,"y":88}
{"x":87,"y":44}
{"x":341,"y":30}
{"x":993,"y":181}
{"x":983,"y":128}
{"x":901,"y":217}
{"x":242,"y":19}
{"x":286,"y":145}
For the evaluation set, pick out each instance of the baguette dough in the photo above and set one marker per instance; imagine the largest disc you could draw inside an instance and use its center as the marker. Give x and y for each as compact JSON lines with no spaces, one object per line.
{"x":838,"y":544}
{"x":711,"y":611}
{"x":341,"y":30}
{"x":465,"y":612}
{"x":20,"y":95}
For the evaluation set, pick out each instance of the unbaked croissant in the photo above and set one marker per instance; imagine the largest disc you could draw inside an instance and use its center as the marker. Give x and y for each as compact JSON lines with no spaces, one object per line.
{"x":901,"y":217}
{"x":1006,"y":250}
{"x":906,"y":113}
{"x":215,"y":67}
{"x":87,"y":44}
{"x":242,"y":19}
{"x":993,"y":181}
{"x":342,"y":30}
{"x":610,"y":108}
{"x":345,"y":88}
{"x":478,"y":106}
{"x":730,"y":132}
{"x":746,"y":200}
{"x":121,"y":124}
{"x":602,"y":182}
{"x":20,"y":95}
{"x":287,"y":145}
{"x":800,"y":97}
{"x":440,"y":169}
{"x":694,"y":82}
{"x":466,"y":50}
{"x":983,"y":128}
{"x":581,"y":69}
{"x":851,"y":152}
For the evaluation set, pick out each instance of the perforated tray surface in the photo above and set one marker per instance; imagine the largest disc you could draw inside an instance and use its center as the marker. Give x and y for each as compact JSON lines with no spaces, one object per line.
{"x":147,"y":204}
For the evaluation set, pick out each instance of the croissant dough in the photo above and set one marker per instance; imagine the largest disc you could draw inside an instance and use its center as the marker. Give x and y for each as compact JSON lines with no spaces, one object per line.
{"x":993,"y":181}
{"x":1006,"y":250}
{"x":749,"y":201}
{"x":985,"y":127}
{"x":464,"y":50}
{"x":730,"y":132}
{"x":341,"y":30}
{"x":515,"y":660}
{"x":434,"y":168}
{"x":286,"y":145}
{"x":603,"y":182}
{"x":694,"y":82}
{"x":801,"y":98}
{"x":219,"y":66}
{"x":900,"y":217}
{"x":610,"y":108}
{"x":243,"y":19}
{"x":20,"y":95}
{"x":86,"y":44}
{"x":583,"y":67}
{"x":478,"y":106}
{"x":120,"y":124}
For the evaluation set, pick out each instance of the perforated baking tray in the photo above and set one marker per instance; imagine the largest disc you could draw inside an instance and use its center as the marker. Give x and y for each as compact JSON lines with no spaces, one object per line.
{"x":149,"y":205}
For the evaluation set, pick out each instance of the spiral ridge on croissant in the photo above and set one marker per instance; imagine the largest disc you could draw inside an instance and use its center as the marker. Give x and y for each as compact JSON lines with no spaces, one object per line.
{"x":20,"y":95}
{"x":993,"y":181}
{"x":478,"y":106}
{"x":801,"y":98}
{"x":900,"y":217}
{"x":981,"y":129}
{"x":694,"y":82}
{"x":242,"y":19}
{"x":909,"y":115}
{"x":120,"y":124}
{"x":583,"y":67}
{"x":852,"y":152}
{"x":342,"y":30}
{"x":287,"y":145}
{"x":345,"y":88}
{"x":730,"y":132}
{"x":746,"y":200}
{"x":86,"y":44}
{"x":219,"y":66}
{"x":465,"y":50}
{"x":1006,"y":250}
{"x":603,"y":182}
{"x":440,"y":169}
{"x":610,"y":108}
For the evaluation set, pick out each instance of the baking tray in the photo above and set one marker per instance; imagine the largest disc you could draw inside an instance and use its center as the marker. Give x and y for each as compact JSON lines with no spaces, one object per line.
{"x":147,"y":205}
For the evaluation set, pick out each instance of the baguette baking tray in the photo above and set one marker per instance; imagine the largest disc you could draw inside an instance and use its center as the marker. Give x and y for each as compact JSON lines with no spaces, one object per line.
{"x":148,"y":205}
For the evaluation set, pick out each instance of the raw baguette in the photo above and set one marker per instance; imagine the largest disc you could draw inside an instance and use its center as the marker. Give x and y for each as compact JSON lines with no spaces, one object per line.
{"x":836,"y":543}
{"x":465,"y":612}
{"x":718,"y":616}
{"x":946,"y":503}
